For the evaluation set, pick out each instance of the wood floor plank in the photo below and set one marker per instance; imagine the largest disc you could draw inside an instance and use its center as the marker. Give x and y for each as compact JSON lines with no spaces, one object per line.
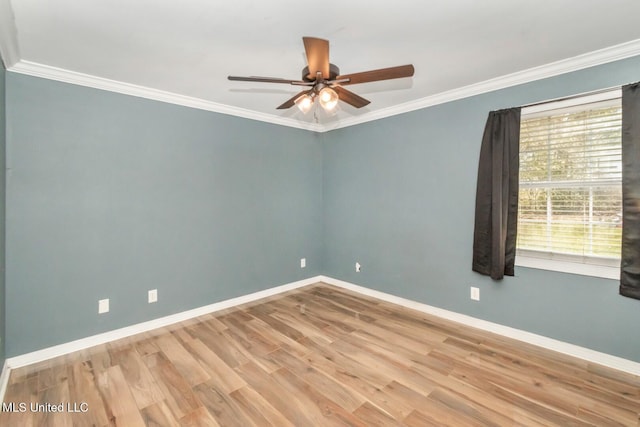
{"x":99,"y":358}
{"x":20,"y":394}
{"x":221,"y":343}
{"x":406,"y":394}
{"x":245,"y":352}
{"x":119,"y":403}
{"x":251,"y":340}
{"x":293,"y":307}
{"x":385,"y":334}
{"x":400,"y":349}
{"x":463,"y":405}
{"x":321,"y":355}
{"x":306,"y":328}
{"x":224,"y":376}
{"x":434,"y":415}
{"x":384,"y":368}
{"x":283,"y":400}
{"x":278,"y":339}
{"x":345,"y":300}
{"x":141,"y":382}
{"x":322,"y":411}
{"x":212,"y":322}
{"x":158,"y":415}
{"x":200,"y":417}
{"x":332,"y":363}
{"x":83,"y":388}
{"x":54,"y":414}
{"x":541,"y":391}
{"x":51,"y":376}
{"x":184,"y":362}
{"x":226,"y":411}
{"x":315,"y":314}
{"x":259,"y":409}
{"x":267,"y":316}
{"x":373,"y":416}
{"x":175,"y":388}
{"x":343,"y":396}
{"x":146,"y":346}
{"x":503,"y":410}
{"x":530,"y":400}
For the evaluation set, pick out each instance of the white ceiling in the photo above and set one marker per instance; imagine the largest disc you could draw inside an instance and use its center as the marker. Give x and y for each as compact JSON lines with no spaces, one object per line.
{"x":184,"y":50}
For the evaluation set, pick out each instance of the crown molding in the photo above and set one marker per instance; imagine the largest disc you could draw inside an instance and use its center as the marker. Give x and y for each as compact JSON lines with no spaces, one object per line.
{"x":59,"y":74}
{"x":602,"y":56}
{"x":576,"y":63}
{"x":9,"y":52}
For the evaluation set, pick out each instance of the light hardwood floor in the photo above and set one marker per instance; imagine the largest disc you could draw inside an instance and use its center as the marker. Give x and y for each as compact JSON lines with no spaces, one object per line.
{"x":321,"y":356}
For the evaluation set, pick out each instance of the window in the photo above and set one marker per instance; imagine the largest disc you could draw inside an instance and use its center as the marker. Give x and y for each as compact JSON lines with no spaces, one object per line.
{"x":570,"y":199}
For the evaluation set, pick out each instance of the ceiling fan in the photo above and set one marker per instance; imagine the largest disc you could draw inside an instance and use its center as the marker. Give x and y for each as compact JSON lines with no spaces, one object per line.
{"x":324,"y":82}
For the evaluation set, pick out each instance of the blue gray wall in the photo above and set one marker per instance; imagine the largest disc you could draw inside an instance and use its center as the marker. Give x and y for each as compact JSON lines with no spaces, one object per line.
{"x":109,"y":196}
{"x":399,"y":196}
{"x":3,"y":151}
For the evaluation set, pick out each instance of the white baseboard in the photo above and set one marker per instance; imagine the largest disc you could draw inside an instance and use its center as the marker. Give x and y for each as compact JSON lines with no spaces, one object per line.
{"x":583,"y":353}
{"x":4,"y":380}
{"x":528,"y":337}
{"x":81,"y":344}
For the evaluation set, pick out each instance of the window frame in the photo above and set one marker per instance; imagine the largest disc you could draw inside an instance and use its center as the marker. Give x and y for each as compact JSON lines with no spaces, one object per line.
{"x":608,"y":268}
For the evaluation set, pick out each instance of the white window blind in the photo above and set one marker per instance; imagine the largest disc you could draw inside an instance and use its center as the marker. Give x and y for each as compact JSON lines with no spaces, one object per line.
{"x":570,"y":199}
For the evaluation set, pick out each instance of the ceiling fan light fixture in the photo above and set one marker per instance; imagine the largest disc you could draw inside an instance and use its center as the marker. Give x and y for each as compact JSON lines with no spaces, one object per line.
{"x":323,"y":80}
{"x":328,"y":99}
{"x":304,"y":103}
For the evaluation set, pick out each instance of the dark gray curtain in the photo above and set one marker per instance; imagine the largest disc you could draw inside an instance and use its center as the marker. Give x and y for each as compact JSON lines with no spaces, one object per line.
{"x":494,"y":237}
{"x":630,"y":256}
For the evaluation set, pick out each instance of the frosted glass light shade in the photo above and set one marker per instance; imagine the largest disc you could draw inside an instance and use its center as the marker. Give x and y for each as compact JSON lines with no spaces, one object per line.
{"x":328,"y":99}
{"x":304,"y":103}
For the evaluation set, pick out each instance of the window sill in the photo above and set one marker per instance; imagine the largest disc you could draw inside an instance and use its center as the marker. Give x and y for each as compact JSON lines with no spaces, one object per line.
{"x":607,"y":272}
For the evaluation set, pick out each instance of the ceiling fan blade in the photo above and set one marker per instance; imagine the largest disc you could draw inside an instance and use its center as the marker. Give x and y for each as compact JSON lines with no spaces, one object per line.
{"x":317,"y":56}
{"x":267,"y":80}
{"x":376,"y":75}
{"x":292,"y":101}
{"x":350,"y":97}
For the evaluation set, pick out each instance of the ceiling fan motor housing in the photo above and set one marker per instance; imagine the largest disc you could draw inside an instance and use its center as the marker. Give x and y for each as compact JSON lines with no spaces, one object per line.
{"x":334,"y":72}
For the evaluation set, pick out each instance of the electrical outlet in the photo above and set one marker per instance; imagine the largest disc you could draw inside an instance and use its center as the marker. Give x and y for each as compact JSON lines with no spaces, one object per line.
{"x":153,"y":295}
{"x":475,"y":293}
{"x":303,"y":262}
{"x":103,"y":306}
{"x":358,"y":267}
